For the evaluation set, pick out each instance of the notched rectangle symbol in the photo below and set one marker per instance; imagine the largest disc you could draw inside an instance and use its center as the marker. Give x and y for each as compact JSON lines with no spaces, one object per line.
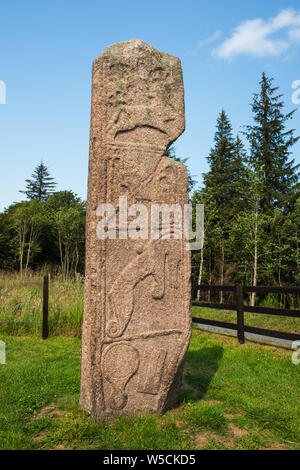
{"x":151,"y":367}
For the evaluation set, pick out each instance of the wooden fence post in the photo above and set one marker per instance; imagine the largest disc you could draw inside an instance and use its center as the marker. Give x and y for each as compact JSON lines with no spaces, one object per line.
{"x":194,"y":292}
{"x":240,"y":314}
{"x":45,"y":331}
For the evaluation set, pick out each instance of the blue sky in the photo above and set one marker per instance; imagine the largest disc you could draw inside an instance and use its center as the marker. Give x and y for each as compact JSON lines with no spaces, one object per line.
{"x":46,"y":52}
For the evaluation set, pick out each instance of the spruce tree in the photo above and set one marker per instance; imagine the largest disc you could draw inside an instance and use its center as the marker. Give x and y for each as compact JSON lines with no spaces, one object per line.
{"x":270,"y":145}
{"x":240,"y":176}
{"x":41,"y":184}
{"x":225,"y":180}
{"x":224,"y":188}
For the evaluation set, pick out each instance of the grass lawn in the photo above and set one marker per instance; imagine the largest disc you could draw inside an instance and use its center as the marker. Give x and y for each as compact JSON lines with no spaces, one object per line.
{"x":233,"y":397}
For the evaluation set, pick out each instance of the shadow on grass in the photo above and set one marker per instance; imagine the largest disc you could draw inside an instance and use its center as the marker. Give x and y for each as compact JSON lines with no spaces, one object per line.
{"x":201,"y":366}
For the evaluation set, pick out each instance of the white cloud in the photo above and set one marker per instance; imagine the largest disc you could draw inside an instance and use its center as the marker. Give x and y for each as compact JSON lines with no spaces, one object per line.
{"x":256,"y":37}
{"x":206,"y":41}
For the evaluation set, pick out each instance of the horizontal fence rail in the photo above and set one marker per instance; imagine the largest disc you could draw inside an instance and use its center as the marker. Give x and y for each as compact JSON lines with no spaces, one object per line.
{"x":272,"y":290}
{"x":241,"y":308}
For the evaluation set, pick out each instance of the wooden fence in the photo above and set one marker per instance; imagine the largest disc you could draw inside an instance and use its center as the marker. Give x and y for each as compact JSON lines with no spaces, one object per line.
{"x":240,"y":308}
{"x":238,"y":290}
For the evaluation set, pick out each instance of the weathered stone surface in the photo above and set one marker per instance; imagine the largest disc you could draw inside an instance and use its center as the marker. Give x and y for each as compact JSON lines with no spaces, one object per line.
{"x":137,"y":320}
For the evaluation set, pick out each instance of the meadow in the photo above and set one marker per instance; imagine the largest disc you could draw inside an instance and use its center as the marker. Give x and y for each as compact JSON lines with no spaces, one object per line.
{"x":233,"y":396}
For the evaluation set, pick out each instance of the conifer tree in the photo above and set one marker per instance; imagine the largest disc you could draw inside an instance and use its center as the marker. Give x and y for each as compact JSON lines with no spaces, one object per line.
{"x":270,"y":145}
{"x":225,"y":185}
{"x":218,"y":178}
{"x":226,"y":178}
{"x":41,"y":184}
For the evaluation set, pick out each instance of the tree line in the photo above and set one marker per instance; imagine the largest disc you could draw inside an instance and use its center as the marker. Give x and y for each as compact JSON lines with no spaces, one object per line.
{"x":251,"y":198}
{"x":47,"y":229}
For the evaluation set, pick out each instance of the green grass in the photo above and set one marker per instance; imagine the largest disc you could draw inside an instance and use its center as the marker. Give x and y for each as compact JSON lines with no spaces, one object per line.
{"x":234,"y":397}
{"x":21,"y":305}
{"x":271,"y":322}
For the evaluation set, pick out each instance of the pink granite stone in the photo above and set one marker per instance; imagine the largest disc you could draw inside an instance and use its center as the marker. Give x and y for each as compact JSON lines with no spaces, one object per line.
{"x":137,"y":319}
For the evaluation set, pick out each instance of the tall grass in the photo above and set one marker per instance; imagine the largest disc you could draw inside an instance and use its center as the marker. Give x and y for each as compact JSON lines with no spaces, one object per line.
{"x":21,"y":305}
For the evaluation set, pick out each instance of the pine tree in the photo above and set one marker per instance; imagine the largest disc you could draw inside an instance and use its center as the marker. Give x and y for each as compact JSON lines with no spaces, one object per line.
{"x":41,"y":185}
{"x":270,"y":145}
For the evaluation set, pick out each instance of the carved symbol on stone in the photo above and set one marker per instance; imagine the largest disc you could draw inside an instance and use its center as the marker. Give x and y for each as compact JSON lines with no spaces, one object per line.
{"x":120,"y":362}
{"x":121,"y":302}
{"x":151,"y":371}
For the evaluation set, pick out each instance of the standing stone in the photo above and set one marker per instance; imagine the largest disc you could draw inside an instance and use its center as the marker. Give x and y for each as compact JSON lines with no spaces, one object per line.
{"x":137,"y":320}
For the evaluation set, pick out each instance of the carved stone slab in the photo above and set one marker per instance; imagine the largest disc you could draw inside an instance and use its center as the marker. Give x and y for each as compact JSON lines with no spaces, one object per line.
{"x":137,"y":320}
